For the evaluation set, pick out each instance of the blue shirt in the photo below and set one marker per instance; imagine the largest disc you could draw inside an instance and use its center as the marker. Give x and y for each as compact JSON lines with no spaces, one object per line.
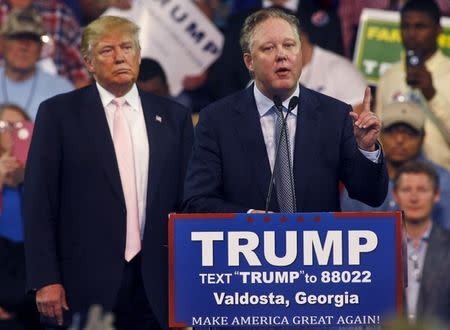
{"x":29,"y":94}
{"x":11,"y":224}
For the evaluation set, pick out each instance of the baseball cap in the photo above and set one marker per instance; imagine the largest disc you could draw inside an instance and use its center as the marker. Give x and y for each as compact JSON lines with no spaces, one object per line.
{"x":22,"y":22}
{"x":408,"y":113}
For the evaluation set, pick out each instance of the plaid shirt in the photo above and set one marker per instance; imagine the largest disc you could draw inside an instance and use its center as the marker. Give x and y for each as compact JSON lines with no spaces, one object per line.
{"x":65,"y":32}
{"x":350,"y":10}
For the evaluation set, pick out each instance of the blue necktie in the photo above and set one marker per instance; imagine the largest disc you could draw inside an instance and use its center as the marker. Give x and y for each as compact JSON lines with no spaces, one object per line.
{"x":284,"y":184}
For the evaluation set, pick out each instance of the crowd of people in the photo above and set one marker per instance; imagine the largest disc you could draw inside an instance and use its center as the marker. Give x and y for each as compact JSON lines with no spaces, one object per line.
{"x":111,"y":145}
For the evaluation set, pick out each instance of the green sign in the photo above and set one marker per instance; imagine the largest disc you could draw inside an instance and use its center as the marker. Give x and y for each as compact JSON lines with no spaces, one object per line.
{"x":379,"y":42}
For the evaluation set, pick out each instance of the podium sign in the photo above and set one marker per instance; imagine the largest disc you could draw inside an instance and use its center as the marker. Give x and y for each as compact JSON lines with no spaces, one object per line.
{"x":305,"y":269}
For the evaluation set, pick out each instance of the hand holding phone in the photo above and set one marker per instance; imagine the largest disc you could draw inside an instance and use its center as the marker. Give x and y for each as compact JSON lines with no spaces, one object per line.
{"x":413,"y":60}
{"x":21,"y":137}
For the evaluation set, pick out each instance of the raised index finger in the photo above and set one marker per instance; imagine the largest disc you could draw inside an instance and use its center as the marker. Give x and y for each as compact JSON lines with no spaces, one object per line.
{"x":366,"y":100}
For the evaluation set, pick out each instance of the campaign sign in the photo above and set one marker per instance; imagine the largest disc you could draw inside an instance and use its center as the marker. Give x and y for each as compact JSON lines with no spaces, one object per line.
{"x":305,"y":269}
{"x":379,"y":42}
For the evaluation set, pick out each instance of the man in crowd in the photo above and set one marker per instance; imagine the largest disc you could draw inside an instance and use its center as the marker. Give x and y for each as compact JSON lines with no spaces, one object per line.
{"x":106,"y":166}
{"x":422,"y":76}
{"x":416,"y":190}
{"x":63,"y":36}
{"x":22,"y":81}
{"x":323,"y":70}
{"x":402,"y":136}
{"x":152,"y":78}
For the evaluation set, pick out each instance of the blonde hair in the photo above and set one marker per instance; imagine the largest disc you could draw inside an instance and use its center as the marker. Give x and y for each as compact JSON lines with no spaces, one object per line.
{"x":252,"y":21}
{"x":104,"y":25}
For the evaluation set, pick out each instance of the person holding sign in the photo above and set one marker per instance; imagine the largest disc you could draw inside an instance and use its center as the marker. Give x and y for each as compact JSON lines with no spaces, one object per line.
{"x":105,"y":168}
{"x":309,"y":146}
{"x":422,"y":76}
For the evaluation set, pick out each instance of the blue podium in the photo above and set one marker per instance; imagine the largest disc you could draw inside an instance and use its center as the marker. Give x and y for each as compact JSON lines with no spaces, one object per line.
{"x":303,"y":269}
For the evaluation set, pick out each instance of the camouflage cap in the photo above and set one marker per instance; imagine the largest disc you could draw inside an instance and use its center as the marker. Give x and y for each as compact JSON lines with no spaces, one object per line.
{"x":23,"y":22}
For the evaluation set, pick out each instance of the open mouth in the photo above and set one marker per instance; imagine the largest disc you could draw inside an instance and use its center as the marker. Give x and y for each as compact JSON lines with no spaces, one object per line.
{"x":282,"y":72}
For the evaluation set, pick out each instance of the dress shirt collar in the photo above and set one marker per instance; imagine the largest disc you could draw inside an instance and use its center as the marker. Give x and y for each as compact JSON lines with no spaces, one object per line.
{"x":426,"y":235}
{"x":290,"y":4}
{"x":264,"y":104}
{"x":132,"y":97}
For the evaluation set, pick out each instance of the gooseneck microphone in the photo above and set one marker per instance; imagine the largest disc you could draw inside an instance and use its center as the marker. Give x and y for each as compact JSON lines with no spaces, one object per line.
{"x":279,"y":105}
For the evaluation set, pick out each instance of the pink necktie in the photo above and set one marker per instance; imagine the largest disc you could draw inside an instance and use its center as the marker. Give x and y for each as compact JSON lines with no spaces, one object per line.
{"x":125,"y":160}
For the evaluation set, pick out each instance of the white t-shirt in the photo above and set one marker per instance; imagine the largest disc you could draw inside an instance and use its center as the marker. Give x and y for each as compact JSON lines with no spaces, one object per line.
{"x":333,"y":75}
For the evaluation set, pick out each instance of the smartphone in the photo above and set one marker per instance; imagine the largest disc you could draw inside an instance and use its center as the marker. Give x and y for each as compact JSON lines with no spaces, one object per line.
{"x":21,"y":138}
{"x":413,"y":58}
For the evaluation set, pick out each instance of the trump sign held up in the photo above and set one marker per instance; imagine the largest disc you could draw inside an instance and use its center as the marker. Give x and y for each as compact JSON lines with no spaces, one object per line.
{"x":304,"y":269}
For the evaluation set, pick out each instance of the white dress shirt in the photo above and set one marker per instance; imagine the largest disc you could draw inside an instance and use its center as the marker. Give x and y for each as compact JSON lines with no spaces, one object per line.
{"x":139,"y":137}
{"x":264,"y":104}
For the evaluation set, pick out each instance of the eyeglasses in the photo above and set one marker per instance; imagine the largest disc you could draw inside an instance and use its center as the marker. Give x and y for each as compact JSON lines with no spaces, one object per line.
{"x":7,"y":125}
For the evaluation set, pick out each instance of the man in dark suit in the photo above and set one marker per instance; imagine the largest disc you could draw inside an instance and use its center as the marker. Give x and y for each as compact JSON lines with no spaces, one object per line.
{"x":234,"y":150}
{"x":416,"y":191}
{"x":105,"y":168}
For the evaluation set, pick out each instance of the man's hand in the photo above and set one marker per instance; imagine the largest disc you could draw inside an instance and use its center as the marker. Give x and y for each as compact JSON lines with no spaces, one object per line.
{"x":51,"y":300}
{"x":259,"y":212}
{"x":366,"y":125}
{"x":8,"y":164}
{"x":4,"y":315}
{"x":419,"y":77}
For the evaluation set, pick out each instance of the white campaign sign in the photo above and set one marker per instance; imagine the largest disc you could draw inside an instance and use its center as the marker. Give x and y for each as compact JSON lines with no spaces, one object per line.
{"x":176,"y":34}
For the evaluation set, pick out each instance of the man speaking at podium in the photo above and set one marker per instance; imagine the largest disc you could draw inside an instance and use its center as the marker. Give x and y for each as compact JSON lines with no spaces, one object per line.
{"x":244,"y":142}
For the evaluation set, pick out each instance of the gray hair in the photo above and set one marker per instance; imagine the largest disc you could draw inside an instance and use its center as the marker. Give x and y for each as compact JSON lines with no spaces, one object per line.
{"x":104,"y":25}
{"x":252,"y":21}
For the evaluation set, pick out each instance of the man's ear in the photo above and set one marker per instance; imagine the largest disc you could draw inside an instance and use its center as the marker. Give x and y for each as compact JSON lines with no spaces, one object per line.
{"x":248,"y":60}
{"x":89,"y":65}
{"x":437,"y":197}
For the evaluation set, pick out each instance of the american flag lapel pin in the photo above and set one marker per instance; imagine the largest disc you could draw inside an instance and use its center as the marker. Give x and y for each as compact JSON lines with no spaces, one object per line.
{"x":158,"y":118}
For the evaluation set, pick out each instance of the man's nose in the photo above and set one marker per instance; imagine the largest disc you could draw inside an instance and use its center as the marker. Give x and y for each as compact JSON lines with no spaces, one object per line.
{"x":119,"y":55}
{"x":281,"y":54}
{"x":400,"y":137}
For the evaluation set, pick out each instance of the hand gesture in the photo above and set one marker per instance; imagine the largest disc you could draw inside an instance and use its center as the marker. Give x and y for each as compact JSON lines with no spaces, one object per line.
{"x":51,"y":300}
{"x":366,"y":125}
{"x":8,"y":164}
{"x":419,"y":77}
{"x":99,"y":320}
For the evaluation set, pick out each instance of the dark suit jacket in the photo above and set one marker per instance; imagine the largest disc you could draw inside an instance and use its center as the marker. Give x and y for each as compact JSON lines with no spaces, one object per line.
{"x":74,"y":208}
{"x":229,"y":170}
{"x":12,"y":274}
{"x":434,"y":294}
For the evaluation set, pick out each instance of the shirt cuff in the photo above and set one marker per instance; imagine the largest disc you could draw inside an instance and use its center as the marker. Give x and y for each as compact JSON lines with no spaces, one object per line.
{"x":373,"y":156}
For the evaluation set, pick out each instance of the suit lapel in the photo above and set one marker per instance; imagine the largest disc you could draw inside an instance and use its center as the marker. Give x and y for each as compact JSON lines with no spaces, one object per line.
{"x":248,"y":127}
{"x":96,"y":124}
{"x":155,"y":123}
{"x":306,"y":136}
{"x":434,"y":256}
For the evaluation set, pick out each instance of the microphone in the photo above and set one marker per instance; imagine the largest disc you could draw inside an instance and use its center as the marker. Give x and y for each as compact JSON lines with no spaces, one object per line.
{"x":279,"y":105}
